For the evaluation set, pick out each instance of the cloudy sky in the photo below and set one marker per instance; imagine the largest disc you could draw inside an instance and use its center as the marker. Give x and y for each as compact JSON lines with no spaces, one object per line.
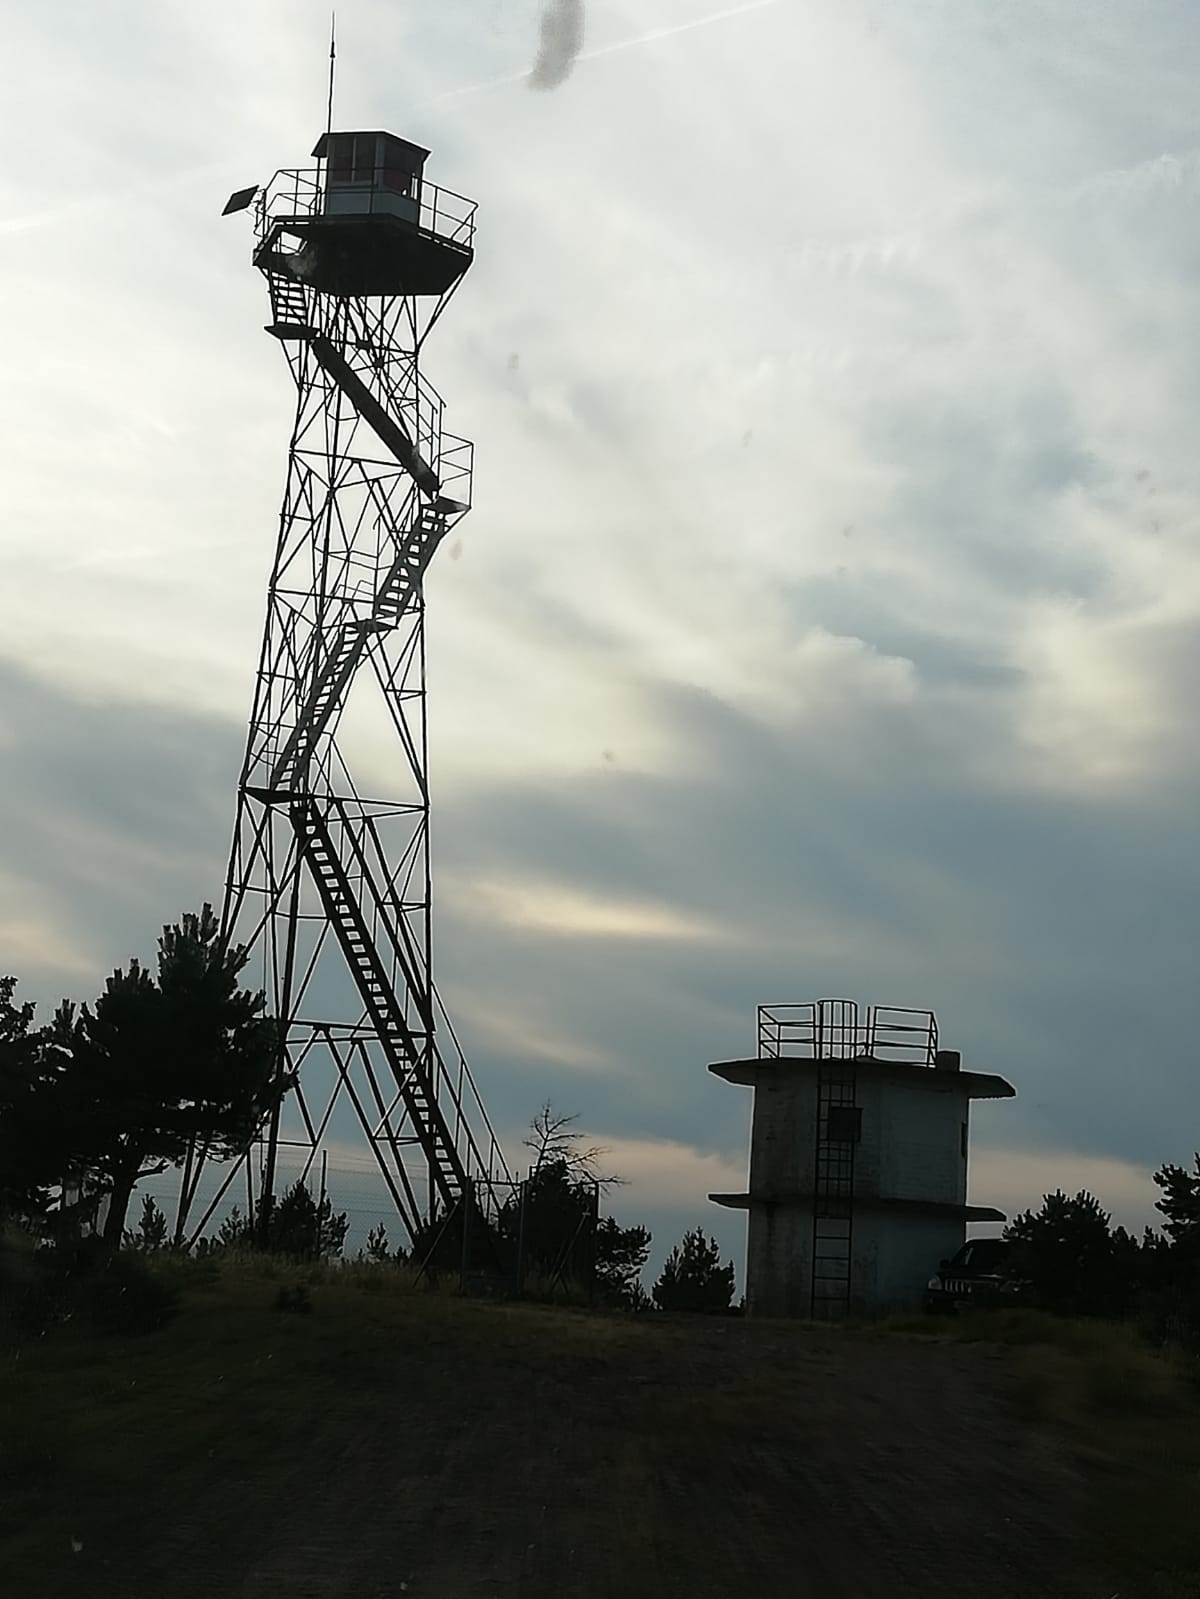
{"x":830,"y":612}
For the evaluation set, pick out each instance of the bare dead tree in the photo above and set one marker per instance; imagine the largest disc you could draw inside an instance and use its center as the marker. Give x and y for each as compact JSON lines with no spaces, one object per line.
{"x":555,"y":1141}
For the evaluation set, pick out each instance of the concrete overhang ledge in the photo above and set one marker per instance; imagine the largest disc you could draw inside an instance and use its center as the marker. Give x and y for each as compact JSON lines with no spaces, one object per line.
{"x":926,"y":1207}
{"x":764,"y":1069}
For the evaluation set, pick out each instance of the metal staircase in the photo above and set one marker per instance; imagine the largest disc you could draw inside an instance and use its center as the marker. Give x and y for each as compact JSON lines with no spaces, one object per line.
{"x":398,"y":589}
{"x":289,"y":307}
{"x":352,"y":917}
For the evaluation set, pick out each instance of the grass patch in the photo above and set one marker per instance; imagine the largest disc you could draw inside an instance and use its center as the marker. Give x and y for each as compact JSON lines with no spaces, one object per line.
{"x":1128,"y":1414}
{"x":172,"y":1459}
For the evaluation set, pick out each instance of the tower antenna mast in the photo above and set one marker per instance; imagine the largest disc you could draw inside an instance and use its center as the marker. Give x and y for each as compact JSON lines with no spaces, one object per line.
{"x":332,"y":64}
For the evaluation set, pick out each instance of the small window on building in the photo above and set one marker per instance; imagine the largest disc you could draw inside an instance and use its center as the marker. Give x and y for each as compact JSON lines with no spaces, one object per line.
{"x":364,"y":159}
{"x":844,"y":1124}
{"x":341,"y":158}
{"x":351,"y":159}
{"x":395,"y":176}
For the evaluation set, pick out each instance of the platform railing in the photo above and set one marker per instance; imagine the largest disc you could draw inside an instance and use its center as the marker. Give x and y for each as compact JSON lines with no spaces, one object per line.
{"x":829,"y":1029}
{"x":298,"y":194}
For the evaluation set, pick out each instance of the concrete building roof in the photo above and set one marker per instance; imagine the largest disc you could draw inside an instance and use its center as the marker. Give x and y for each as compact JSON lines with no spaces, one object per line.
{"x":916,"y":1207}
{"x":973,"y":1085}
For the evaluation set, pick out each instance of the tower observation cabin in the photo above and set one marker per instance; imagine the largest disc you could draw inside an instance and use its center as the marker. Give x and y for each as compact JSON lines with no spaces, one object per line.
{"x":366,"y":221}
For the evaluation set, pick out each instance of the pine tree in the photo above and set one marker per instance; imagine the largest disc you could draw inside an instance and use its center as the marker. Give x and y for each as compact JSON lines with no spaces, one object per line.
{"x":1180,"y":1204}
{"x":31,"y":1159}
{"x":620,"y":1257}
{"x":150,"y":1235}
{"x":693,"y":1277}
{"x":378,"y":1249}
{"x":1071,"y":1258}
{"x":303,"y":1227}
{"x":162,"y":1065}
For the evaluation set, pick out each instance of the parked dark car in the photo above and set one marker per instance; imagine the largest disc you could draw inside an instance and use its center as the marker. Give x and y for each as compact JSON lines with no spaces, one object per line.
{"x":979,"y":1274}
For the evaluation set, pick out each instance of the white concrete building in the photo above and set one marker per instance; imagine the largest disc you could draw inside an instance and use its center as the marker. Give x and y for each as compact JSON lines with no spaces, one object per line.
{"x":858,"y":1157}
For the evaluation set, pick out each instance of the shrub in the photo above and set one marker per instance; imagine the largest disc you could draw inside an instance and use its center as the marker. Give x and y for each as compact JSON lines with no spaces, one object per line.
{"x":295,"y":1299}
{"x":122,"y":1294}
{"x":82,"y":1280}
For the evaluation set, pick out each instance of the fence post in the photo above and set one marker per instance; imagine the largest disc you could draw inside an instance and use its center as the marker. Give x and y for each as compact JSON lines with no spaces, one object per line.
{"x":595,"y":1234}
{"x":520,"y":1282}
{"x":466,"y":1203}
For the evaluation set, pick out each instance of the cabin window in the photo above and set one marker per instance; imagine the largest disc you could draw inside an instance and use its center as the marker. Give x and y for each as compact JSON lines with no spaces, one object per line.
{"x":352,"y":158}
{"x":396,"y":176}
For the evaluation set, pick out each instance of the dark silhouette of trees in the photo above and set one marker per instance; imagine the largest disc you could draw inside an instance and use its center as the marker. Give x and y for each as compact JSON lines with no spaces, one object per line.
{"x":1180,"y":1204}
{"x":303,"y":1227}
{"x":379,"y":1250}
{"x":552,"y":1226}
{"x":554,"y":1141}
{"x":30,"y":1156}
{"x":693,"y":1277}
{"x":549,"y":1223}
{"x":295,"y":1225}
{"x":150,"y":1234}
{"x":620,"y":1258}
{"x":124,"y":1088}
{"x":1072,"y":1258}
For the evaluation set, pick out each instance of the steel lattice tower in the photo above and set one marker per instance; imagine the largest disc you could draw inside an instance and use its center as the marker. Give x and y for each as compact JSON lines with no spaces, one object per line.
{"x":329,"y":875}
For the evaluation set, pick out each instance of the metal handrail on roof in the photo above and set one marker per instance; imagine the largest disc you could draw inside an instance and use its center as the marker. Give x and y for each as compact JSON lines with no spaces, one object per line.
{"x":827,"y":1029}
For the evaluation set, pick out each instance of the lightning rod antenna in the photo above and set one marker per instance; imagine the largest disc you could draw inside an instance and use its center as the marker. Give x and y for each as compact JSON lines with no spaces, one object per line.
{"x":332,"y":61}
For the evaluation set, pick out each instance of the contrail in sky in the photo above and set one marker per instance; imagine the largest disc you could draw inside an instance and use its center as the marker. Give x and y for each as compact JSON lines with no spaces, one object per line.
{"x":621,"y":44}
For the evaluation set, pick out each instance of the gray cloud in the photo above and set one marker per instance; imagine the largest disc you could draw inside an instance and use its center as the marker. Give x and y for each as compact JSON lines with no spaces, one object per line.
{"x":560,"y":41}
{"x":115,"y":817}
{"x":868,"y":863}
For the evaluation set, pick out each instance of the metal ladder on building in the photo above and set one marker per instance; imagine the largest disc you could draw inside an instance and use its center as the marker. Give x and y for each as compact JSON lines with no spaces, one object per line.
{"x":837,"y":1132}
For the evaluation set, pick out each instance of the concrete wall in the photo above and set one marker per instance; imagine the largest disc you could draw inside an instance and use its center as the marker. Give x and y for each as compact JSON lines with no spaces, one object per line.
{"x":912,"y":1136}
{"x":895,"y":1255}
{"x":779,"y":1260}
{"x":922,"y":1152}
{"x":783,"y":1137}
{"x":912,"y":1147}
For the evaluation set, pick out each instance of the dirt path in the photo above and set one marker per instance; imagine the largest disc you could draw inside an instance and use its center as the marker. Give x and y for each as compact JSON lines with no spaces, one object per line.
{"x":583,"y":1458}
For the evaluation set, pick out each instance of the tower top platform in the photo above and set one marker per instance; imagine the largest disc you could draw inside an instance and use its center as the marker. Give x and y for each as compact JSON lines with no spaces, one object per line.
{"x":365,"y":220}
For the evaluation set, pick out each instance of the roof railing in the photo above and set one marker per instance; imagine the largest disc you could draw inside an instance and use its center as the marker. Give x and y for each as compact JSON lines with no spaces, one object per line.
{"x":298,"y":194}
{"x":829,"y":1029}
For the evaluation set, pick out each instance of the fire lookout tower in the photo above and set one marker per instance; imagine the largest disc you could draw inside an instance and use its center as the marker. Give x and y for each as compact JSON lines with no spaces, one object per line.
{"x":329,"y":879}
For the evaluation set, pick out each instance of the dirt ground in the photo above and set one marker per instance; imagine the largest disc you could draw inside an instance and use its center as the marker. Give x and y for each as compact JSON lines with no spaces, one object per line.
{"x":382,"y":1446}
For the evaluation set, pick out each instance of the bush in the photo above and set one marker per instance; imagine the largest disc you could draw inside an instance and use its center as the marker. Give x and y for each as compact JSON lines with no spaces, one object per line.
{"x":125,"y":1295}
{"x":81,"y":1280}
{"x":1170,"y":1317}
{"x":295,"y":1299}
